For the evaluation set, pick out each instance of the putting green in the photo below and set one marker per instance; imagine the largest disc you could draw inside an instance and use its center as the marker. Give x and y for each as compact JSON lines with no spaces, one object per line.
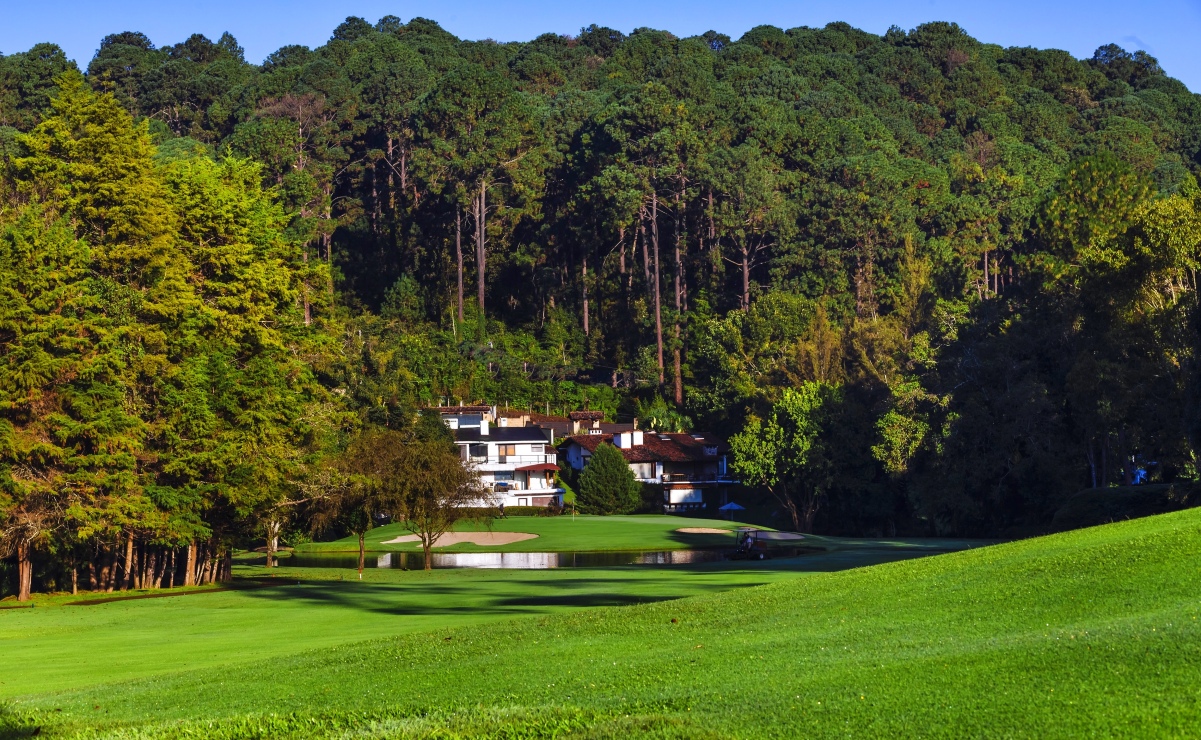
{"x":556,"y":534}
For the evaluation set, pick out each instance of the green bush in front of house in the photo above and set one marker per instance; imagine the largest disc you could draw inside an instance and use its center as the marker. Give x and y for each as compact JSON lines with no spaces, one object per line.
{"x":607,"y":485}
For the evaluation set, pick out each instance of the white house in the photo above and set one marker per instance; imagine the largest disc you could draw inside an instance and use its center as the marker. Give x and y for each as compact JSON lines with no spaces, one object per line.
{"x":688,"y":468}
{"x":517,"y":462}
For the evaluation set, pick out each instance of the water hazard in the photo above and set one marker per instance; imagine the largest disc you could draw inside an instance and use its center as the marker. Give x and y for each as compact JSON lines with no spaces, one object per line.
{"x":516,"y":560}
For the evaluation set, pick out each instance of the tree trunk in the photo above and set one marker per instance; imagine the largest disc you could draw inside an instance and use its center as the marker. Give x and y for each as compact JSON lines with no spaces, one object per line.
{"x":273,"y":528}
{"x":203,"y":563}
{"x":621,"y":254}
{"x":459,"y":256}
{"x":24,"y":571}
{"x":658,"y":282}
{"x":746,"y":277}
{"x":150,"y":566}
{"x":74,"y":581}
{"x":646,"y":260}
{"x":481,"y":225}
{"x":375,"y":206}
{"x":584,"y":284}
{"x":171,"y":565}
{"x":127,"y":579}
{"x":327,"y":242}
{"x":189,"y":573}
{"x":362,"y":553}
{"x":676,"y":352}
{"x":712,"y":227}
{"x":391,"y":186}
{"x":427,"y":543}
{"x":789,"y":506}
{"x":110,"y":569}
{"x":810,"y":512}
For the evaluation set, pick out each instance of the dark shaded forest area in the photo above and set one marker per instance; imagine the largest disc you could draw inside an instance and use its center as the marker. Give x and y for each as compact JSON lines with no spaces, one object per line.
{"x":924,"y":284}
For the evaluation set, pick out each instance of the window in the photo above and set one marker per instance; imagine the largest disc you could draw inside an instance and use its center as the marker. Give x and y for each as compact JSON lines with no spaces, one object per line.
{"x":506,"y":450}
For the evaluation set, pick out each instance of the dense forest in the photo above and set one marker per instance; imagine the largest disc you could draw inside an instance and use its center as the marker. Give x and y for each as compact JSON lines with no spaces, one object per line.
{"x":923,"y":284}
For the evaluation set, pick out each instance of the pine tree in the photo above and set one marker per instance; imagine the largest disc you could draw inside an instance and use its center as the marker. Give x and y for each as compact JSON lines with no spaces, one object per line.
{"x":607,"y":485}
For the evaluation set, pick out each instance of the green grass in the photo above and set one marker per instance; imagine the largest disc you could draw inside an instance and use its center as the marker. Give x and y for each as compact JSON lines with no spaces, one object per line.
{"x":560,"y":534}
{"x":60,"y":645}
{"x":1091,"y":633}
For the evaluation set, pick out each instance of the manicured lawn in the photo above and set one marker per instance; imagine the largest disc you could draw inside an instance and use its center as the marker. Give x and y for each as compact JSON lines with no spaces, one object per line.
{"x":1088,"y":633}
{"x":562,"y":534}
{"x":609,"y":533}
{"x":286,"y":610}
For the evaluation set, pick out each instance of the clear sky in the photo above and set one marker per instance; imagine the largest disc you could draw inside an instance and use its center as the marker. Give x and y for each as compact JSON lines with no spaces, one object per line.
{"x":1168,"y":29}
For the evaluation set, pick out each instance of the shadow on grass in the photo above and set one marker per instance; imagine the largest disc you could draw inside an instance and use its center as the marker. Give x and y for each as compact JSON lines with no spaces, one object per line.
{"x":511,"y":592}
{"x":500,"y":596}
{"x":16,"y":724}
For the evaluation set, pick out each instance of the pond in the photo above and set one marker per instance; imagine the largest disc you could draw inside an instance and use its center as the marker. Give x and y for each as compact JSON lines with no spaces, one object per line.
{"x":517,"y":560}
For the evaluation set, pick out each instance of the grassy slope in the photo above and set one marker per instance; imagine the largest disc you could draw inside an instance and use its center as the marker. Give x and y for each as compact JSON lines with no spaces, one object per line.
{"x":562,"y":534}
{"x":61,"y":646}
{"x":1089,"y":633}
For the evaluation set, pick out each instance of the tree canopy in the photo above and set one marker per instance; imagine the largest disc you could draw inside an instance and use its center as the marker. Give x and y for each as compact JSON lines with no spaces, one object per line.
{"x":982,"y":261}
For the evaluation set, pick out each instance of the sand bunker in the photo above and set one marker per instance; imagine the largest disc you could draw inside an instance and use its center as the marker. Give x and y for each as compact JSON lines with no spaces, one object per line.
{"x":779,"y":536}
{"x":702,"y":530}
{"x":484,"y":539}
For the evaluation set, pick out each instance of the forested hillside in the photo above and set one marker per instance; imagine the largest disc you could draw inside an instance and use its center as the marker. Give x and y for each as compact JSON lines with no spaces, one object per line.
{"x":925,"y":284}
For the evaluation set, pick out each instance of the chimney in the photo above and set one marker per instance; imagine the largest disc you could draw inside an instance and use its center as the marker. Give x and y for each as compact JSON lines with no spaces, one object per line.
{"x":637,"y":438}
{"x":483,"y":427}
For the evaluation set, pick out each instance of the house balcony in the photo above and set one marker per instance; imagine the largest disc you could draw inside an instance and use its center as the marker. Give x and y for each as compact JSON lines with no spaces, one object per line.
{"x":510,"y":462}
{"x":684,"y":508}
{"x":702,"y":478}
{"x":517,"y":485}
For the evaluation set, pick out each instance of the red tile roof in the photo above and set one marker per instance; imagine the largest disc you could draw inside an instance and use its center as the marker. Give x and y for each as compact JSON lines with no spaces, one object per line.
{"x":537,"y":468}
{"x":658,"y":447}
{"x":586,"y":416}
{"x":534,"y":416}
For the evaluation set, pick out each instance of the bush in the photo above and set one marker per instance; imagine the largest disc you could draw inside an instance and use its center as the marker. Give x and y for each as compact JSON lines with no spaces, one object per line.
{"x":607,"y":485}
{"x":1094,"y":506}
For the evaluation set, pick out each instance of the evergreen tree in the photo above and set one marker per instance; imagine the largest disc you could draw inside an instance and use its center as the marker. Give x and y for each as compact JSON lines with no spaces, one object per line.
{"x":607,"y":485}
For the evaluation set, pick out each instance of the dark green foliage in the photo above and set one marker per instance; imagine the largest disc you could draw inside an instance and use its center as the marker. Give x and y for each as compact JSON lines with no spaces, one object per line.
{"x":988,"y":254}
{"x":607,"y":485}
{"x":1094,"y":506}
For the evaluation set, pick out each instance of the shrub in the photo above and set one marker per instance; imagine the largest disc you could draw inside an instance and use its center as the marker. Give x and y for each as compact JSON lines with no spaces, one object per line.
{"x":607,"y":485}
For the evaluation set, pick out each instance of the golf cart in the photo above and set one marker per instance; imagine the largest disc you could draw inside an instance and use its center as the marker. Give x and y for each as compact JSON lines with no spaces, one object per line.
{"x":759,"y":544}
{"x":750,"y":545}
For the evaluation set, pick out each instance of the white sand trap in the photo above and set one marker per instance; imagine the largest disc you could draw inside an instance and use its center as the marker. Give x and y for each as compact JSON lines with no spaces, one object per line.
{"x":780,"y":536}
{"x":702,"y":530}
{"x":484,"y":539}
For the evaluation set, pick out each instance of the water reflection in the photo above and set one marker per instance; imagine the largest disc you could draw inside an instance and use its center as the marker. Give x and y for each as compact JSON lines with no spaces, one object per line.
{"x":516,"y":560}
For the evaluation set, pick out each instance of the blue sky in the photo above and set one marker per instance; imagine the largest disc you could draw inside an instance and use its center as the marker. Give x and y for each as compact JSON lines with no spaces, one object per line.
{"x":1168,"y":29}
